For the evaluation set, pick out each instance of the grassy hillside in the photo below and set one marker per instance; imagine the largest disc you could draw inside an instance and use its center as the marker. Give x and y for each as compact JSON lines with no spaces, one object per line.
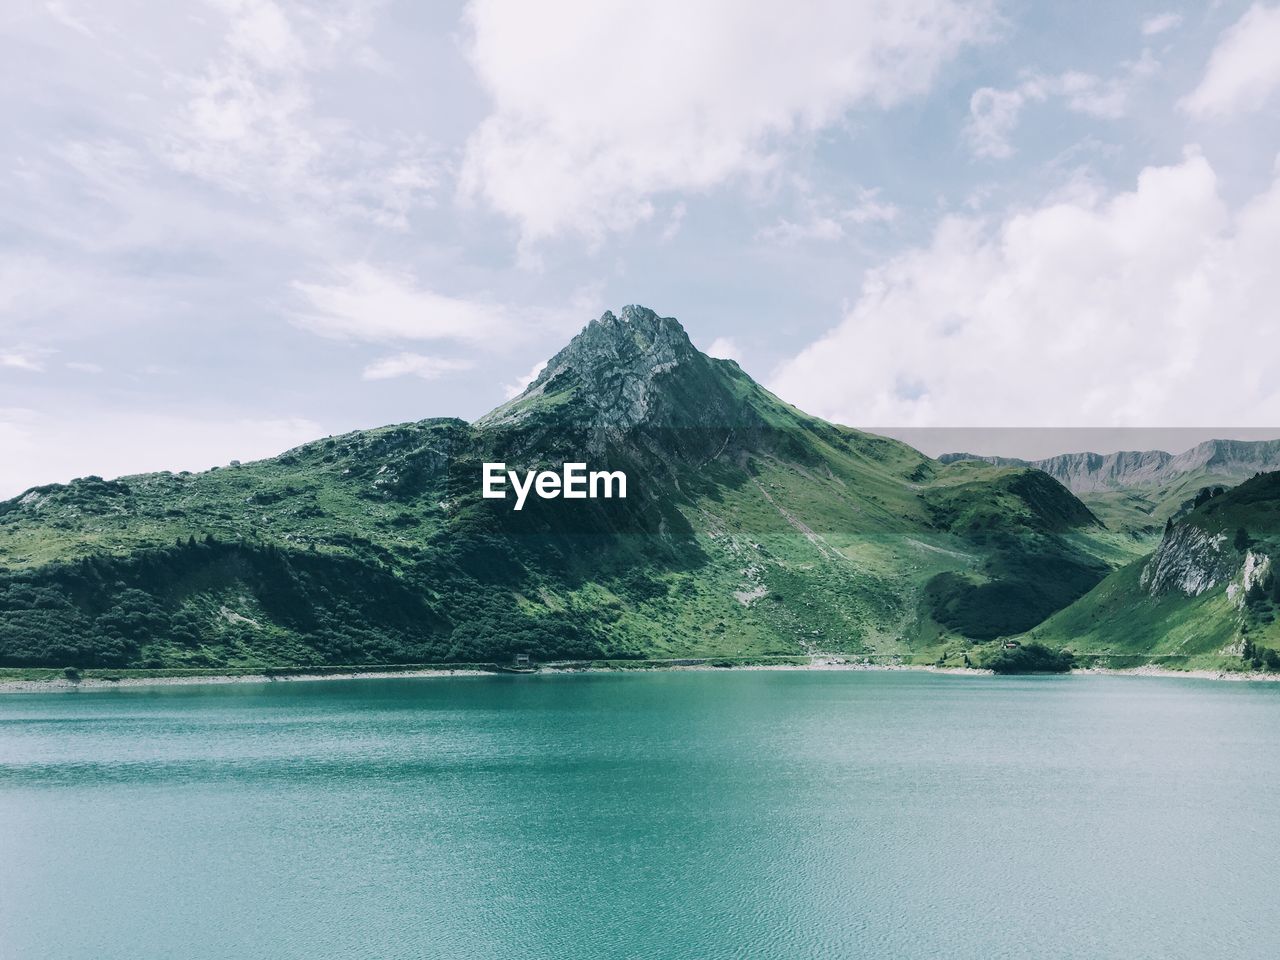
{"x":1143,"y":510}
{"x":1206,"y":597}
{"x":750,"y":529}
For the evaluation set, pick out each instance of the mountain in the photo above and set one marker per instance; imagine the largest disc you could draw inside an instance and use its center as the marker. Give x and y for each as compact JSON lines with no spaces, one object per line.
{"x":1094,"y":472}
{"x":1207,"y":596}
{"x":1139,"y":490}
{"x":749,"y":529}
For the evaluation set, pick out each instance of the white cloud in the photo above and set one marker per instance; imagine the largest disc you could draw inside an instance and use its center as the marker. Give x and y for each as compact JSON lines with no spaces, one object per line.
{"x":1243,"y":70}
{"x":60,"y":13}
{"x":1088,"y":311}
{"x":994,"y":113}
{"x":43,"y":448}
{"x":869,"y":208}
{"x":21,"y":360}
{"x":185,"y":164}
{"x":599,"y":106}
{"x":513,"y":390}
{"x":789,"y":232}
{"x":251,"y":125}
{"x":364,"y":302}
{"x":674,"y":222}
{"x":80,"y":366}
{"x":725,"y":348}
{"x":824,"y":221}
{"x":1096,"y":97}
{"x":1161,"y":23}
{"x":413,"y":364}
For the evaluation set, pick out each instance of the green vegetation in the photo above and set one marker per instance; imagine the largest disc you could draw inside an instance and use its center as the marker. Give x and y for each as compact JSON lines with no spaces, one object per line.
{"x":752,"y":531}
{"x":1029,"y":658}
{"x":1259,"y":657}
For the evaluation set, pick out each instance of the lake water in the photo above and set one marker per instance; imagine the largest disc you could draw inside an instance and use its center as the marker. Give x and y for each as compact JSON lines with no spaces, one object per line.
{"x":690,"y":815}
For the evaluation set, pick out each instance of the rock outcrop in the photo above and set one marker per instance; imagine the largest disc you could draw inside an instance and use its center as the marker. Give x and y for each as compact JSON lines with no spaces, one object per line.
{"x":1253,"y":574}
{"x":1190,"y":561}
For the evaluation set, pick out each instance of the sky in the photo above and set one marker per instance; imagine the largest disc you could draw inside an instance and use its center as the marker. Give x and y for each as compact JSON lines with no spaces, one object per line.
{"x":231,"y":226}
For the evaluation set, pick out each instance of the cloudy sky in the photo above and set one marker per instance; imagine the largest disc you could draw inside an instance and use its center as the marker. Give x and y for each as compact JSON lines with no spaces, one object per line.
{"x":229,"y":226}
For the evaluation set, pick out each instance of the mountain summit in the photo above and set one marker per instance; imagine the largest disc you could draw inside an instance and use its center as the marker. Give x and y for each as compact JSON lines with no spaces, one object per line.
{"x":626,"y":371}
{"x":630,"y":350}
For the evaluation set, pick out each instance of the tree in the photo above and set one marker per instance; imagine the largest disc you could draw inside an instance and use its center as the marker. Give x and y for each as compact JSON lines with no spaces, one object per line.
{"x":1242,"y":540}
{"x":1030,"y":658}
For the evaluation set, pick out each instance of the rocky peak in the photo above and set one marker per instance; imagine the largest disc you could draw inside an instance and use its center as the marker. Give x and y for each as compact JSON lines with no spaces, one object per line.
{"x":637,"y":344}
{"x":619,"y":372}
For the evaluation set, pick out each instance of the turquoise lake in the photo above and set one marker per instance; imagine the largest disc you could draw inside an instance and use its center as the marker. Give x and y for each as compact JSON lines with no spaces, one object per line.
{"x":683,"y":814}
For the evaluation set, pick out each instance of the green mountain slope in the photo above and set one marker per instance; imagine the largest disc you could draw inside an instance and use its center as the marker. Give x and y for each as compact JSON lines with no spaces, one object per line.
{"x":1206,"y":597}
{"x":749,"y":528}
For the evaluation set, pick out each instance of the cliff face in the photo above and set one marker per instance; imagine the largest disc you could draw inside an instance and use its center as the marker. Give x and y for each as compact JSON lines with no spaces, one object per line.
{"x":1190,"y":561}
{"x":1092,"y":472}
{"x":1255,"y":574}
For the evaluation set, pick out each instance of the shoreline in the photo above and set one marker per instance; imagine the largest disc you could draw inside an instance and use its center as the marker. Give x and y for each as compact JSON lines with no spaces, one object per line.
{"x":819,"y":663}
{"x":1151,"y":670}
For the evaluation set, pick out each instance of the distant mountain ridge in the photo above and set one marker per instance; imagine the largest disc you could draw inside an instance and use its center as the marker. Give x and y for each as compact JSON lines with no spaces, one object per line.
{"x":1230,"y":460}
